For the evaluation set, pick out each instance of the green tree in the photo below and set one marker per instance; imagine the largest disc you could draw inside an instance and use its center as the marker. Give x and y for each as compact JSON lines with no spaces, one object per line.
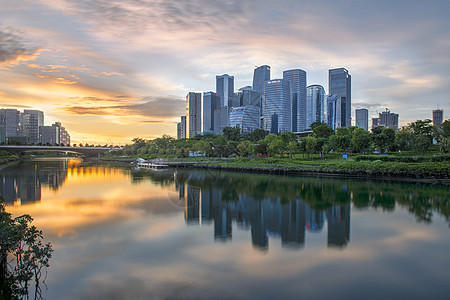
{"x":292,"y":147}
{"x":24,"y":243}
{"x":258,"y":134}
{"x":404,"y":139}
{"x":232,"y":133}
{"x":323,"y":131}
{"x":383,"y":138}
{"x":275,"y":147}
{"x":310,"y":145}
{"x":361,"y":140}
{"x":245,"y":148}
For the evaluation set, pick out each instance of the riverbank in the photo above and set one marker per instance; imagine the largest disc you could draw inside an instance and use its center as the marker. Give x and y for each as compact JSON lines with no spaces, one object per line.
{"x":430,"y":171}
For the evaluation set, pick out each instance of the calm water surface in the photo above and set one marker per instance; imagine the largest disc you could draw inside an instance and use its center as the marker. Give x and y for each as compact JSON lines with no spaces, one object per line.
{"x":124,"y":234}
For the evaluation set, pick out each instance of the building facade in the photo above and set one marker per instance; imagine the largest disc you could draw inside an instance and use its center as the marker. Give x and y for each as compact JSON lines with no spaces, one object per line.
{"x":32,"y":120}
{"x":10,"y":119}
{"x":49,"y":135}
{"x":316,"y":103}
{"x":277,"y":106}
{"x":211,"y":102}
{"x":334,"y":110}
{"x":246,"y":96}
{"x":193,"y":114}
{"x":362,"y":118}
{"x":260,"y":75}
{"x":64,"y":137}
{"x":297,"y":81}
{"x":225,"y":89}
{"x":340,"y":83}
{"x":438,"y":117}
{"x":245,"y":117}
{"x":386,"y":119}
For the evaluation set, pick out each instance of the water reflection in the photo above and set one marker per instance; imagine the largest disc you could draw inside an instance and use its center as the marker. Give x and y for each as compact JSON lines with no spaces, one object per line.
{"x":22,"y":182}
{"x":264,"y":218}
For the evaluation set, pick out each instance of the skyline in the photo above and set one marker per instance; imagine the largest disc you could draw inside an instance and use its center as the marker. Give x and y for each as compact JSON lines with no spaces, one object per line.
{"x":115,"y":70}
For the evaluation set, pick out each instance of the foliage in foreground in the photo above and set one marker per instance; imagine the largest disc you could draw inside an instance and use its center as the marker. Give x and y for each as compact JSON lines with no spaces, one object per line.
{"x":23,"y":256}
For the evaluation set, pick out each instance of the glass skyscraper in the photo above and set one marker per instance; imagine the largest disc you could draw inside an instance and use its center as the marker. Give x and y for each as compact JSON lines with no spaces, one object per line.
{"x":340,"y":83}
{"x":277,"y":106}
{"x":245,"y":117}
{"x":225,"y":89}
{"x":211,"y":102}
{"x":260,"y":76}
{"x":334,"y":110}
{"x":362,"y":118}
{"x":316,"y":103}
{"x":193,"y":114}
{"x":297,"y":81}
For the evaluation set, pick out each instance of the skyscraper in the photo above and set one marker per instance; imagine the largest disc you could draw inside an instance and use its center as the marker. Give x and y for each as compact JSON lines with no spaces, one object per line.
{"x":211,"y":102}
{"x":245,"y":117}
{"x":193,"y":114}
{"x":183,"y":127}
{"x":225,"y":89}
{"x":246,"y":96}
{"x":32,"y":120}
{"x":340,"y":83}
{"x":277,"y":106}
{"x":297,"y":82}
{"x":438,"y":116}
{"x":316,"y":103}
{"x":334,"y":110}
{"x":260,"y":75}
{"x":362,"y":118}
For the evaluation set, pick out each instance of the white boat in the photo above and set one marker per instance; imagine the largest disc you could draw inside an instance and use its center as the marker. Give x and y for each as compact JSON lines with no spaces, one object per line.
{"x":152,"y":166}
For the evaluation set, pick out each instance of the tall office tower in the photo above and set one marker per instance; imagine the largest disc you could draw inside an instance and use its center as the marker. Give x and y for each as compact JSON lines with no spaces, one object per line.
{"x":386,"y":119}
{"x":334,"y":110}
{"x":340,"y":82}
{"x":179,"y":131}
{"x":211,"y":102}
{"x":277,"y":106}
{"x":245,"y":117}
{"x":362,"y":118}
{"x":246,"y":96}
{"x":316,"y":104}
{"x":438,"y":117}
{"x":225,"y":89}
{"x":221,"y":119}
{"x":297,"y":81}
{"x":193,"y":114}
{"x":10,"y":119}
{"x":32,"y":119}
{"x":64,"y":137}
{"x":183,"y":127}
{"x":260,"y":75}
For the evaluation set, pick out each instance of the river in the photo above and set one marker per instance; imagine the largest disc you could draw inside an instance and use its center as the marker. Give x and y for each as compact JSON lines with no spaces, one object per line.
{"x":120,"y":233}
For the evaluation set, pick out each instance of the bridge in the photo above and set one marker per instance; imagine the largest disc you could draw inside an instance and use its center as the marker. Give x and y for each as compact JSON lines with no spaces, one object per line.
{"x":86,"y":151}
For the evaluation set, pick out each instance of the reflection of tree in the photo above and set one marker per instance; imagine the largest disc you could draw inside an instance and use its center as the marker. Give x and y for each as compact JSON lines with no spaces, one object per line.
{"x":421,"y":199}
{"x":29,"y":256}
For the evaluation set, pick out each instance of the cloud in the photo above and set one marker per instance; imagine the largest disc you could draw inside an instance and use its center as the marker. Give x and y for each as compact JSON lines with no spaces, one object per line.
{"x":152,"y":107}
{"x":14,"y":49}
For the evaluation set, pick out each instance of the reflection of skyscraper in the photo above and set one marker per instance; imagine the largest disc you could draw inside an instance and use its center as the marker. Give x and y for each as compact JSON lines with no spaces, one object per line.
{"x":293,"y":224}
{"x":222,"y":224}
{"x":314,"y":219}
{"x":338,"y":218}
{"x":192,"y":205}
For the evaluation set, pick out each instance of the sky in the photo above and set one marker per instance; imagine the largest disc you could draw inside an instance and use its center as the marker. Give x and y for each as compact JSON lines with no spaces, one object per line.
{"x":113,"y":70}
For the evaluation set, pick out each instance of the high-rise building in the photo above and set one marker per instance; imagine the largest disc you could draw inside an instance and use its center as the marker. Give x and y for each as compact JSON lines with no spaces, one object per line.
{"x":386,"y":119}
{"x":245,"y":117}
{"x":183,"y":127}
{"x":362,"y":118}
{"x":10,"y":119}
{"x":221,"y":119}
{"x":211,"y":102}
{"x":193,"y":114}
{"x":260,"y":75}
{"x":340,"y":83}
{"x":225,"y":89}
{"x":246,"y":96}
{"x":438,"y":117}
{"x":316,"y":104}
{"x":334,"y":110}
{"x":297,"y":81}
{"x":179,"y":131}
{"x":277,"y":106}
{"x":32,"y":120}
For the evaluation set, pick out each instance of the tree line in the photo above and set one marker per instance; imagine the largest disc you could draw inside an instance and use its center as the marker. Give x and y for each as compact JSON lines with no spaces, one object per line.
{"x":417,"y":136}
